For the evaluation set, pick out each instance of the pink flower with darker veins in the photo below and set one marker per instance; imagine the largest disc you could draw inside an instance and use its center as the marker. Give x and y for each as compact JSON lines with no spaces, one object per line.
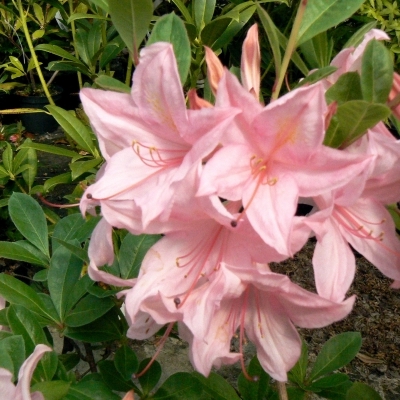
{"x":150,"y":140}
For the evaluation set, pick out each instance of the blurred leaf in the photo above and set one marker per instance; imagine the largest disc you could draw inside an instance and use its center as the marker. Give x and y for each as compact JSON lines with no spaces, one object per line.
{"x":54,"y":390}
{"x":56,"y":50}
{"x":150,"y":379}
{"x":214,"y":30}
{"x":126,"y":362}
{"x":358,"y":36}
{"x":216,"y":386}
{"x":12,"y":350}
{"x":113,"y":378}
{"x":47,"y":148}
{"x":361,"y":391}
{"x":346,"y":88}
{"x":317,"y":76}
{"x":108,"y":83}
{"x":180,"y":386}
{"x":170,"y":28}
{"x":336,"y":352}
{"x":203,"y":11}
{"x":298,"y":373}
{"x":91,"y":387}
{"x":376,"y":72}
{"x":320,"y":15}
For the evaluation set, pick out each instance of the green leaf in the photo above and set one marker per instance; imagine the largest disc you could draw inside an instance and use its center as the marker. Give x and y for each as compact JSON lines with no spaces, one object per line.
{"x":376,"y":72}
{"x":317,"y":75}
{"x":31,"y":160}
{"x":101,"y":3}
{"x":34,"y":252}
{"x":272,"y":33}
{"x":132,"y":251}
{"x":78,"y":168}
{"x":57,"y":180}
{"x":89,"y":309}
{"x":332,"y":387}
{"x":216,"y":386}
{"x":64,"y":273}
{"x":320,"y":15}
{"x":108,"y":83}
{"x":258,"y":390}
{"x":49,"y":149}
{"x":17,"y":292}
{"x":111,"y":50}
{"x":126,"y":362}
{"x":150,"y":379}
{"x":358,"y":36}
{"x":336,"y":352}
{"x":108,"y":327}
{"x":170,"y":28}
{"x":185,"y":12}
{"x":203,"y":11}
{"x":75,"y":249}
{"x":361,"y":391}
{"x":41,"y":276}
{"x":113,"y":378}
{"x":56,"y":50}
{"x":81,"y":40}
{"x":79,"y":290}
{"x":180,"y":386}
{"x":352,"y":120}
{"x":12,"y":350}
{"x":54,"y":390}
{"x":70,"y":66}
{"x":86,"y":16}
{"x":79,"y":132}
{"x":213,"y":31}
{"x":346,"y":88}
{"x":318,"y":50}
{"x":94,"y":39}
{"x":24,"y":323}
{"x":91,"y":388}
{"x":298,"y":373}
{"x":30,"y":220}
{"x":7,"y":157}
{"x":69,"y":361}
{"x":14,"y":251}
{"x":131,"y":18}
{"x":38,"y":13}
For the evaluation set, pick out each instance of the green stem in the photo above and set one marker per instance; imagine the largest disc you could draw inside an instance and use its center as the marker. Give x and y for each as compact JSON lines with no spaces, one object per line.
{"x":290,"y":48}
{"x":129,"y":71}
{"x":73,"y":30}
{"x":33,"y":53}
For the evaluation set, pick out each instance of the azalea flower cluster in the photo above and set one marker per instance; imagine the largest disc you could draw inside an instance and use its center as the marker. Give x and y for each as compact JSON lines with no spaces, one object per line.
{"x":222,"y":183}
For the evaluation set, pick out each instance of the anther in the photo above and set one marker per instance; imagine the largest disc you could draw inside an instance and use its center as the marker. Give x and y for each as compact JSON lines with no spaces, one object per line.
{"x":89,"y":196}
{"x":177,"y":301}
{"x":234,"y":223}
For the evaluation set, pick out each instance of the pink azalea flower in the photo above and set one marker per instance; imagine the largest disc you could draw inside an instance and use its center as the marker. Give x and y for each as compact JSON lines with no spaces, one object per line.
{"x":273,"y":155}
{"x":22,"y":390}
{"x":266,"y":310}
{"x":150,"y":140}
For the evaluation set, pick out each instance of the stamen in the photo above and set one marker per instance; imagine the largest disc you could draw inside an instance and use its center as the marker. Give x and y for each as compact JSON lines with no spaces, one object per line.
{"x":177,"y":301}
{"x":160,"y":346}
{"x":89,"y":196}
{"x":48,"y":203}
{"x":234,"y":223}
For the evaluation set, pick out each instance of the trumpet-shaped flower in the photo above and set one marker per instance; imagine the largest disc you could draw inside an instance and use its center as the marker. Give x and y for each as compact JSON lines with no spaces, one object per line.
{"x":149,"y":138}
{"x":21,"y":391}
{"x":267,"y":309}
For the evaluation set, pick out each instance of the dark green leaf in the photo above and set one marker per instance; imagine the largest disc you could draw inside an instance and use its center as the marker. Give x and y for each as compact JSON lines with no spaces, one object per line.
{"x":47,"y":148}
{"x":108,"y":83}
{"x":170,"y":28}
{"x":361,"y":391}
{"x":332,"y":387}
{"x":54,"y":390}
{"x":79,"y":290}
{"x":91,"y":388}
{"x":376,"y":72}
{"x":30,"y":220}
{"x":58,"y":51}
{"x":57,"y":180}
{"x":336,"y":352}
{"x":180,"y":386}
{"x":214,"y":30}
{"x":150,"y":379}
{"x":74,"y":249}
{"x":126,"y":362}
{"x":113,"y":378}
{"x":358,"y":36}
{"x":203,"y":11}
{"x":79,"y":168}
{"x":216,"y":386}
{"x":69,"y":360}
{"x":298,"y":373}
{"x":12,"y":350}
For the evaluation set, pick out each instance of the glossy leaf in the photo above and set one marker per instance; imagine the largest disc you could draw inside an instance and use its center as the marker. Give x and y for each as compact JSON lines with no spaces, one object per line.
{"x":89,"y":309}
{"x":216,"y":386}
{"x":30,"y":220}
{"x":361,"y":391}
{"x":170,"y":28}
{"x":150,"y":379}
{"x":108,"y":327}
{"x":259,"y":389}
{"x":108,"y":83}
{"x":79,"y":132}
{"x":17,"y":292}
{"x":132,"y":251}
{"x":126,"y":362}
{"x":131,"y":19}
{"x":336,"y":352}
{"x":180,"y":386}
{"x":321,"y":15}
{"x":113,"y":378}
{"x":65,"y":270}
{"x":352,"y":120}
{"x":15,"y":251}
{"x":376,"y":72}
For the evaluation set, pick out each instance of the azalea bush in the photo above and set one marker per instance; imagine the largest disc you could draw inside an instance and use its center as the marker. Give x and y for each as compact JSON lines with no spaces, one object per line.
{"x":204,"y":170}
